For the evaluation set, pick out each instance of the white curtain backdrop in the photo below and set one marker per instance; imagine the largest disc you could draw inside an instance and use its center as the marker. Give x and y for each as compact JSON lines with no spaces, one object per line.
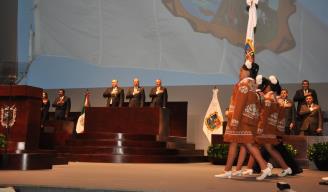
{"x":145,"y":34}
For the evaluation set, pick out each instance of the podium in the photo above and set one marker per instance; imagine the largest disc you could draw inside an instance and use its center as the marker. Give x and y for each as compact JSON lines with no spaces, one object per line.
{"x":146,"y":120}
{"x":21,"y":104}
{"x":132,"y":135}
{"x":20,"y":121}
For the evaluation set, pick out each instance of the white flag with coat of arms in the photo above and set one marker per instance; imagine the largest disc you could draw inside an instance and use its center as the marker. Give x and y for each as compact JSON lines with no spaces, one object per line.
{"x":213,"y":121}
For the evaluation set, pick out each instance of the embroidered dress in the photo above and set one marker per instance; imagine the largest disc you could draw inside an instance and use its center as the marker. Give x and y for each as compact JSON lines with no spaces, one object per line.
{"x":267,"y":127}
{"x":243,"y":114}
{"x":281,"y":121}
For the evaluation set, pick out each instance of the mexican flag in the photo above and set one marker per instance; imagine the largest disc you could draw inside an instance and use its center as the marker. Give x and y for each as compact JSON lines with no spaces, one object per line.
{"x":80,"y":121}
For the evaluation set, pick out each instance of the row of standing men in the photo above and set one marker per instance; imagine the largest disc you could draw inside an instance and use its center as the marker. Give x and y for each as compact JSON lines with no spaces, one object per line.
{"x":307,"y":119}
{"x":136,"y":95}
{"x":114,"y":96}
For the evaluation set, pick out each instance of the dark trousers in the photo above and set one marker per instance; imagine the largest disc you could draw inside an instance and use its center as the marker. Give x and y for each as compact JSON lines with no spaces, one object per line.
{"x":60,"y":115}
{"x":290,"y":161}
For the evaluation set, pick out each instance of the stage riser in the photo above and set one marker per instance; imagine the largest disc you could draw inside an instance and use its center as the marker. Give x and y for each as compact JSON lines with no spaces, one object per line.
{"x":117,"y":136}
{"x":177,"y":139}
{"x":26,"y":161}
{"x":119,"y":150}
{"x":183,"y":152}
{"x":108,"y":143}
{"x":175,"y":145}
{"x":135,"y":159}
{"x":101,"y":146}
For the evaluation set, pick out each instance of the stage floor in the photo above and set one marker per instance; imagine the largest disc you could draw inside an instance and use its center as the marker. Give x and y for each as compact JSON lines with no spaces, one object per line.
{"x":197,"y":177}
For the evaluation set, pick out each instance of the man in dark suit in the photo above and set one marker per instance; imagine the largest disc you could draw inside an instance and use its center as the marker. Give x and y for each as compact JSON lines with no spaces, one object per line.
{"x":62,"y":104}
{"x":300,"y":95}
{"x":311,"y":117}
{"x":114,"y":95}
{"x":136,"y":94}
{"x":158,"y":95}
{"x":290,"y":113}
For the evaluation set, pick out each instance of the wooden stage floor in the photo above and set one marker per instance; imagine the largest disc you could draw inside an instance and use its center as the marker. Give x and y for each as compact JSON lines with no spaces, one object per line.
{"x":193,"y":177}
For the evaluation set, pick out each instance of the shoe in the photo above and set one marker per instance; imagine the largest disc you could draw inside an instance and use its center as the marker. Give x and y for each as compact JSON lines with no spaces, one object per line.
{"x":324,"y":181}
{"x":283,"y":186}
{"x":248,"y":172}
{"x":266,"y":172}
{"x":237,"y":173}
{"x":285,"y":172}
{"x":226,"y":174}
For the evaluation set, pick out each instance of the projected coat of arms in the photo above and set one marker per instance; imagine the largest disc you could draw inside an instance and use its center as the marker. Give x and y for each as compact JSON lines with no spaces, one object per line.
{"x":228,"y":19}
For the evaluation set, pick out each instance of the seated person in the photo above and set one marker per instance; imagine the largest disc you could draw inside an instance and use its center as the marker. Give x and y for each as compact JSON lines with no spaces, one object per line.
{"x":62,"y":105}
{"x":311,"y":117}
{"x":136,"y":94}
{"x":114,"y":95}
{"x":158,"y":95}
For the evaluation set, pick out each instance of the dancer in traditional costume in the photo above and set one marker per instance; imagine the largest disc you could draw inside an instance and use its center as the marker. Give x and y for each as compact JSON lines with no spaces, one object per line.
{"x":269,"y":130}
{"x":243,"y":116}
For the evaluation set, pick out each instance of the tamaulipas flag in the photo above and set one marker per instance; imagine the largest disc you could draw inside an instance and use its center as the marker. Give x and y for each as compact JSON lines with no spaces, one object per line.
{"x":80,"y":121}
{"x":213,"y":119}
{"x":252,"y":22}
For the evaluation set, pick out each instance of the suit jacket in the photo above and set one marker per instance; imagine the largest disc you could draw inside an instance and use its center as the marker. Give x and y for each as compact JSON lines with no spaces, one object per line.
{"x":287,"y":115}
{"x":300,"y":98}
{"x":158,"y":100}
{"x":311,"y":120}
{"x":114,"y":99}
{"x":138,"y":99}
{"x":290,"y":112}
{"x":62,"y":108}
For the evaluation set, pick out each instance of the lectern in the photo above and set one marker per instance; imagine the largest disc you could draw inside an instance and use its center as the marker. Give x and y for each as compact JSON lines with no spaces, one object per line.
{"x":20,"y":115}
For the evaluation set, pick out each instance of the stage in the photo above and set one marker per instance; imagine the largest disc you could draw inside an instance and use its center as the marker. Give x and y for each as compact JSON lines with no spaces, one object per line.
{"x":197,"y":177}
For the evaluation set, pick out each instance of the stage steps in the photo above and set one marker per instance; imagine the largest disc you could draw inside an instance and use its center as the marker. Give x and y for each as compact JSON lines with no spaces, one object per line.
{"x":27,"y":160}
{"x":101,"y":146}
